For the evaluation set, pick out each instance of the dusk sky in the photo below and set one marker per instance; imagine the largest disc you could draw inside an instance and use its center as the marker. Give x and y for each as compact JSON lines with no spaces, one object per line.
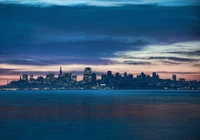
{"x":39,"y":36}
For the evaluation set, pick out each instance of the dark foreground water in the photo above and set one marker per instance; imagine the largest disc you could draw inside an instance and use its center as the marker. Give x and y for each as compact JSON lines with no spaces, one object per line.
{"x":100,"y":115}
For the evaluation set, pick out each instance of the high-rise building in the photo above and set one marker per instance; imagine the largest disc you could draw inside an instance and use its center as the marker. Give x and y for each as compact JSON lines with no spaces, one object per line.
{"x":40,"y":78}
{"x":157,"y":77}
{"x":74,"y":78}
{"x":50,"y":76}
{"x":25,"y":77}
{"x":173,"y":77}
{"x":130,"y":77}
{"x":117,"y":75}
{"x":60,"y":72}
{"x":103,"y":77}
{"x":94,"y":77}
{"x":87,"y":74}
{"x":67,"y":76}
{"x":31,"y":77}
{"x":143,"y":76}
{"x":154,"y":75}
{"x":125,"y":75}
{"x":109,"y":74}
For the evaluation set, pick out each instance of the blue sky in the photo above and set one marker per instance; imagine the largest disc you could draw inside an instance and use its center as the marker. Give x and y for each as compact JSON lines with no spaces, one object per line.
{"x":38,"y":36}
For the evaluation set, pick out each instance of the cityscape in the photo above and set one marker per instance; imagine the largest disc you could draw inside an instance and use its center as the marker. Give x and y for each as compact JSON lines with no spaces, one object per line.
{"x":108,"y":81}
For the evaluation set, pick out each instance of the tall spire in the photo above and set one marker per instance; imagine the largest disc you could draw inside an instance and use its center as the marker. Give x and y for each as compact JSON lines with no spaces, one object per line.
{"x":60,"y":74}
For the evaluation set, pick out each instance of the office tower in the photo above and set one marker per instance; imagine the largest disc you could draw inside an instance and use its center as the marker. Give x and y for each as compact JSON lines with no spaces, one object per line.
{"x":117,"y":75}
{"x":109,"y":74}
{"x":74,"y":78}
{"x":154,"y":75}
{"x":67,"y":76}
{"x":142,"y":75}
{"x":148,"y":77}
{"x":87,"y":74}
{"x":173,"y":77}
{"x":130,"y":77}
{"x":125,"y":74}
{"x":94,"y":77}
{"x":40,"y":78}
{"x":31,"y":77}
{"x":103,"y":77}
{"x":25,"y":77}
{"x":60,"y":72}
{"x":50,"y":76}
{"x":157,"y":77}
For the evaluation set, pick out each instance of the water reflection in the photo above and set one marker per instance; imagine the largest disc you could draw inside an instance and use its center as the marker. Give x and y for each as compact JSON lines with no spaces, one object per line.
{"x":111,"y":116}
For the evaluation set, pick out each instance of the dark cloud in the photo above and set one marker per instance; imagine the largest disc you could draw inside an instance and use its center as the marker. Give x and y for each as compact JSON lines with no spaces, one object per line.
{"x":136,"y":63}
{"x":174,"y":59}
{"x":197,"y":65}
{"x":40,"y":61}
{"x":88,"y":33}
{"x":179,"y":59}
{"x":171,"y":62}
{"x":189,"y":53}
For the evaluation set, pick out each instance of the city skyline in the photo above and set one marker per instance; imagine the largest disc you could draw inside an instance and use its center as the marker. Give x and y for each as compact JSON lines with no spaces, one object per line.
{"x":160,"y":36}
{"x":108,"y":81}
{"x":89,"y":71}
{"x":80,"y":75}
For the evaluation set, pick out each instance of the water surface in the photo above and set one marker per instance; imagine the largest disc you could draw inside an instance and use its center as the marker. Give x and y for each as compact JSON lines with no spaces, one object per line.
{"x":100,"y":115}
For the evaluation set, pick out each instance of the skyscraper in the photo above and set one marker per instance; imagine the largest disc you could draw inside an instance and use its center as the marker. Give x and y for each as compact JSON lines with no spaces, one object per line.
{"x":109,"y":73}
{"x":31,"y":77}
{"x":173,"y":77}
{"x":94,"y":77}
{"x":125,"y":75}
{"x":87,"y":75}
{"x":74,"y":78}
{"x":60,"y":72}
{"x":154,"y":75}
{"x":50,"y":76}
{"x":103,"y":77}
{"x":67,"y":76}
{"x":25,"y":77}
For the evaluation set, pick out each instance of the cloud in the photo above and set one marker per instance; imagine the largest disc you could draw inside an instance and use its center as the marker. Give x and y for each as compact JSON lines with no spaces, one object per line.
{"x":189,"y":53}
{"x":136,"y":63}
{"x":180,"y":59}
{"x":37,"y":38}
{"x":197,"y":65}
{"x":90,"y":33}
{"x":173,"y":59}
{"x":155,"y":55}
{"x":171,"y":63}
{"x":56,"y":60}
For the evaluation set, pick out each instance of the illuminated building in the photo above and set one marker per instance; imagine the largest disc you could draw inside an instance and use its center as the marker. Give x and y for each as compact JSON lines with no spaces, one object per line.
{"x":25,"y":77}
{"x":31,"y":77}
{"x":50,"y":76}
{"x":67,"y":76}
{"x":87,"y":75}
{"x":74,"y":78}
